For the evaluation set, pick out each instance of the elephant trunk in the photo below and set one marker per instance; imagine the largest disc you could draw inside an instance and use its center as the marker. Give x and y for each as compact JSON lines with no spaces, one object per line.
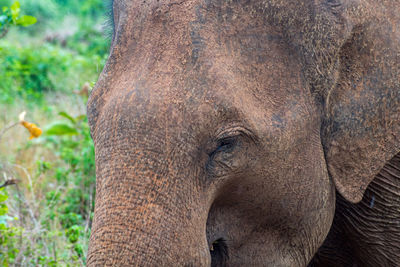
{"x":141,"y":219}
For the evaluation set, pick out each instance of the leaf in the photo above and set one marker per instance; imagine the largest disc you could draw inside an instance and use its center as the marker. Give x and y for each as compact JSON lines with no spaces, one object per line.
{"x":3,"y":197}
{"x":26,"y":20}
{"x":3,"y":209}
{"x":15,"y":9}
{"x":66,"y":115}
{"x":61,"y":128}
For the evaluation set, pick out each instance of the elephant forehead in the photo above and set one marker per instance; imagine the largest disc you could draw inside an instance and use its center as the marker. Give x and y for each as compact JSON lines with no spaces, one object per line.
{"x":202,"y":58}
{"x":132,"y":121}
{"x":225,"y":88}
{"x":136,"y":110}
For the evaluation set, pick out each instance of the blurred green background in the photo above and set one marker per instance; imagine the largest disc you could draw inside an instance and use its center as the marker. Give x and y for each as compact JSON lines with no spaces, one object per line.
{"x":47,"y":69}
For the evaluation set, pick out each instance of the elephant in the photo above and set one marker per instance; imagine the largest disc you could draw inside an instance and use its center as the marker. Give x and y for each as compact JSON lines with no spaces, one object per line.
{"x":248,"y":133}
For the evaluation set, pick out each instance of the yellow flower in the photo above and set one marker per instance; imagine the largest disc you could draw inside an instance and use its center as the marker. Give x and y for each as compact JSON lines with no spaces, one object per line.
{"x":34,"y":130}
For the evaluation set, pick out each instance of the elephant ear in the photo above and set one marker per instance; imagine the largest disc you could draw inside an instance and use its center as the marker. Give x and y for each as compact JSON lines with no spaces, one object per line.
{"x":361,"y":130}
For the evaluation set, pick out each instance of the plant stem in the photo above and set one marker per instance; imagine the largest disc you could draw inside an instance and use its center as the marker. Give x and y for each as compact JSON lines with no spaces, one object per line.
{"x":3,"y":131}
{"x":5,"y":31}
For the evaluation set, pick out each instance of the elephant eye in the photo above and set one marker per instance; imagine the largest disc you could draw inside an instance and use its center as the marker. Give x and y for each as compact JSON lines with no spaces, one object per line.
{"x":229,"y":151}
{"x":226,"y":144}
{"x":222,"y":159}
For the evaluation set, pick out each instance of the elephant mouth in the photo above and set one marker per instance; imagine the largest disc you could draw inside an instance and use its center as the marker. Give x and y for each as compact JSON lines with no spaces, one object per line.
{"x":219,"y":253}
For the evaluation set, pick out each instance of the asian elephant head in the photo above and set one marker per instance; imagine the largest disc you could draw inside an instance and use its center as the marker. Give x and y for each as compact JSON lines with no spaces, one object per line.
{"x":223,"y":128}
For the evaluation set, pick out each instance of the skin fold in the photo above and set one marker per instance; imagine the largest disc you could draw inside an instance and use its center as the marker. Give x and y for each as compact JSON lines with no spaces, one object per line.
{"x":366,"y":233}
{"x":244,"y":133}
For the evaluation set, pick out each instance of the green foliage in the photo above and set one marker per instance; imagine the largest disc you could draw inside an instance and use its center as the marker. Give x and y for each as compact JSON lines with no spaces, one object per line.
{"x":76,"y":207}
{"x":10,"y":16}
{"x":51,"y":13}
{"x":65,"y":211}
{"x":28,"y":72}
{"x":78,"y":152}
{"x":61,"y":128}
{"x":45,"y":220}
{"x":8,"y":234}
{"x":88,"y":41}
{"x":86,"y":9}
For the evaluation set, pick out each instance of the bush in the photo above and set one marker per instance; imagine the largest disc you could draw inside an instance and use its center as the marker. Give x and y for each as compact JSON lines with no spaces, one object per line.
{"x":53,"y":229}
{"x":11,"y":16}
{"x":9,"y":235}
{"x":50,"y":13}
{"x":45,"y":219}
{"x":29,"y":72}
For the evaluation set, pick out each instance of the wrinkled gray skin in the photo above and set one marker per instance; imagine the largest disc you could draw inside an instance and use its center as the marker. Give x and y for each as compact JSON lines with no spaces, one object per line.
{"x":223,"y":130}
